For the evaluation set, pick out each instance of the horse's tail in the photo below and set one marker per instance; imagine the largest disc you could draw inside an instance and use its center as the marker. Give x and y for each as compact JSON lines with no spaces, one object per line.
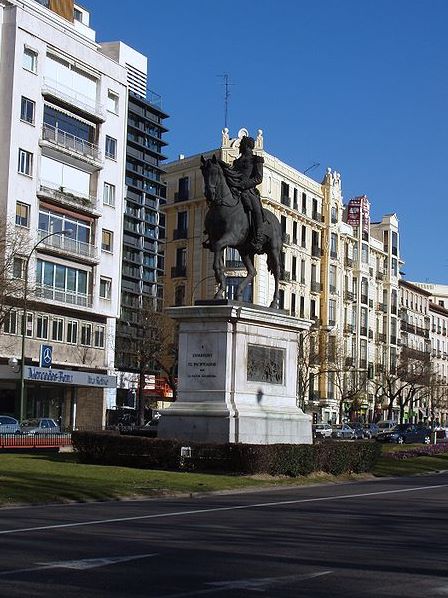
{"x":271,"y":262}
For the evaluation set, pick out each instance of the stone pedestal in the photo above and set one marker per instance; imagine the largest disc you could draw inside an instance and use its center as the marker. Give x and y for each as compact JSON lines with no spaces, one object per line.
{"x":237,"y":376}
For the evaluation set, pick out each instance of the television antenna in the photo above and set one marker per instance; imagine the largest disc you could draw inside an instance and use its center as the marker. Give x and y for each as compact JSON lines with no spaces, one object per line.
{"x":312,"y":167}
{"x":226,"y":84}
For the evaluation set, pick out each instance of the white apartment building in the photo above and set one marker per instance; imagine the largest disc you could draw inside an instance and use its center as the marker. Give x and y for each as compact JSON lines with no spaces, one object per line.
{"x":62,"y":129}
{"x":339,"y":270}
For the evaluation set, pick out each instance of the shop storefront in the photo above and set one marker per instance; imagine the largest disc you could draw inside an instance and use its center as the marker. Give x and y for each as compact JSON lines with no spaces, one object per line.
{"x":74,"y":398}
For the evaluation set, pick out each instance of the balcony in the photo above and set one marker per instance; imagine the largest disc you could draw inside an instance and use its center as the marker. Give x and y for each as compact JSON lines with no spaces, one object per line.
{"x":178,"y":271}
{"x":349,"y":296}
{"x":364,"y":299}
{"x":62,"y":296}
{"x":380,"y":275}
{"x":62,"y":244}
{"x":349,"y":328}
{"x":78,"y":102}
{"x":180,"y":233}
{"x":286,"y":201}
{"x":382,"y":307}
{"x":317,"y":216}
{"x":74,"y":147}
{"x":285,"y":276}
{"x":316,"y":251}
{"x":181,"y":196}
{"x":363,"y":364}
{"x":332,"y":289}
{"x":363,"y":331}
{"x":422,"y":332}
{"x":68,"y":198}
{"x":333,"y":254}
{"x":349,"y":362}
{"x":286,"y":239}
{"x":348,"y":261}
{"x":316,"y":287}
{"x":393,"y":340}
{"x":370,"y":333}
{"x":381,"y":337}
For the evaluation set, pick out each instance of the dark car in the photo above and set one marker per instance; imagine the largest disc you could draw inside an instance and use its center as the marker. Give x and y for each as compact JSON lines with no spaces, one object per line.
{"x":406,"y":433}
{"x":360,"y":431}
{"x":372,"y":430}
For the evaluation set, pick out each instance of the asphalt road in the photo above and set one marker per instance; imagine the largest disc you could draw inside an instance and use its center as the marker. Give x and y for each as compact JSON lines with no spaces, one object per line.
{"x":381,"y":538}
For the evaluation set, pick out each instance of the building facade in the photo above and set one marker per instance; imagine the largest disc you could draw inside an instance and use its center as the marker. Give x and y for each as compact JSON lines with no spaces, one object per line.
{"x":63,"y":122}
{"x":339,"y":270}
{"x":144,"y":223}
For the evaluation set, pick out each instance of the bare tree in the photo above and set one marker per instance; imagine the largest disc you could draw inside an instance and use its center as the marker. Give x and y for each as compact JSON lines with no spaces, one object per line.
{"x":307,"y":364}
{"x":14,"y":248}
{"x":149,"y":345}
{"x":401,"y":384}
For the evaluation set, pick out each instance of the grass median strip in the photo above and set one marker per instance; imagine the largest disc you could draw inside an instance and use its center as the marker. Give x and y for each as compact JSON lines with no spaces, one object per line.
{"x":57,"y":478}
{"x":52,"y":478}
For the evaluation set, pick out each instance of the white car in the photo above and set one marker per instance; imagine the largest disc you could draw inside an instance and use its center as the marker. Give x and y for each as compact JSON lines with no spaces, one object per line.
{"x":322,"y":430}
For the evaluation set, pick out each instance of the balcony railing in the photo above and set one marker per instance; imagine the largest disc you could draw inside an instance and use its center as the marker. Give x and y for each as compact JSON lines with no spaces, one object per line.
{"x":68,"y":197}
{"x":382,"y":307}
{"x":234,"y":264}
{"x":286,"y":239}
{"x":349,"y":328}
{"x":333,"y":254}
{"x":73,"y":97}
{"x":316,"y":287}
{"x":68,"y":245}
{"x":286,"y":201}
{"x":62,"y":296}
{"x":348,"y":262}
{"x":317,"y":216}
{"x":363,"y":331}
{"x":332,"y":289}
{"x":380,"y":275}
{"x":349,"y":296}
{"x":285,"y":275}
{"x":71,"y":143}
{"x":316,"y":251}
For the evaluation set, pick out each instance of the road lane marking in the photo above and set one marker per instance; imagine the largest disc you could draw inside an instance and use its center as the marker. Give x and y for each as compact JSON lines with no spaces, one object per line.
{"x":216,"y":510}
{"x":81,"y":564}
{"x":256,"y":585}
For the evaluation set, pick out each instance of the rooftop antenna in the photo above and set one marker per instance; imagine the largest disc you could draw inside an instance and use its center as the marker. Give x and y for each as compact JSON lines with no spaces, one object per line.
{"x":312,"y":167}
{"x":227,"y":84}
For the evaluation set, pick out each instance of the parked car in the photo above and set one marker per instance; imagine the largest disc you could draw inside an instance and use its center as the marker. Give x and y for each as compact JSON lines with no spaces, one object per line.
{"x":42,"y":425}
{"x":360,"y":431}
{"x":343,"y":431}
{"x":322,"y":430}
{"x":406,"y":433}
{"x":371,"y":430}
{"x":386,"y":424}
{"x":9,"y":425}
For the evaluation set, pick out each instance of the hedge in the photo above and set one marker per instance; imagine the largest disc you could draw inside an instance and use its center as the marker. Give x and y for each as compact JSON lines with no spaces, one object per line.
{"x":419,"y":451}
{"x":274,"y":459}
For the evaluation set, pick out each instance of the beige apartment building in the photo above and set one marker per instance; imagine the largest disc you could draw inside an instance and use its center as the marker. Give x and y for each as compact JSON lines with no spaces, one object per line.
{"x":340,"y":270}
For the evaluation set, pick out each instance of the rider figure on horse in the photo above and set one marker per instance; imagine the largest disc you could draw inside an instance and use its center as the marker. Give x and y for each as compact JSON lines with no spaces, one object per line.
{"x":250,"y":167}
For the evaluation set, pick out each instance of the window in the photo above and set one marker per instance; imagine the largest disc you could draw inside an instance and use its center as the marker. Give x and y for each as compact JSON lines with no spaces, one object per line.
{"x":22,"y":214}
{"x":18,"y":267}
{"x":105,"y":288}
{"x":112,"y":102}
{"x":27,"y":110}
{"x":72,"y":332}
{"x":29,"y":324}
{"x":183,"y":188}
{"x":25,"y":165}
{"x":179,"y":295}
{"x":107,"y":240}
{"x":111,"y":147}
{"x":109,"y":194}
{"x":10,"y":322}
{"x":332,"y":312}
{"x":86,"y":334}
{"x":365,"y":253}
{"x":333,"y":245}
{"x":42,"y":326}
{"x":303,"y":240}
{"x":303,"y":203}
{"x":30,"y":60}
{"x":302,"y":271}
{"x":77,"y":15}
{"x":98,"y":336}
{"x":57,"y":329}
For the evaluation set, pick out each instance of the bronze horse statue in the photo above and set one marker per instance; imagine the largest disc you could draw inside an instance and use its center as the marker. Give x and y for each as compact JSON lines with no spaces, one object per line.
{"x":227,"y":225}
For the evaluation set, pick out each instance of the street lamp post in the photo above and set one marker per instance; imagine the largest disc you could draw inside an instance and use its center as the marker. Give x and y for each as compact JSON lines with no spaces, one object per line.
{"x":67,"y":232}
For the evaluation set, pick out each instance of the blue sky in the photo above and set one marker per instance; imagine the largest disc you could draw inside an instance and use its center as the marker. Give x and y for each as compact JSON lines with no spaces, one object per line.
{"x":360,"y":86}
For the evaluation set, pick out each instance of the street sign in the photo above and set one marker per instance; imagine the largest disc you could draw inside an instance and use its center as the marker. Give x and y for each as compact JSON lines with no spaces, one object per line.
{"x":46,"y":356}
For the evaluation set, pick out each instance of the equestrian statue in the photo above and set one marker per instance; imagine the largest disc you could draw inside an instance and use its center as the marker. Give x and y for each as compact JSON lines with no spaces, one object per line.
{"x":236,"y":218}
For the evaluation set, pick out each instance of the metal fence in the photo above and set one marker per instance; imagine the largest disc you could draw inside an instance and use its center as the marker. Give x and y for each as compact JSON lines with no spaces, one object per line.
{"x":34,"y":440}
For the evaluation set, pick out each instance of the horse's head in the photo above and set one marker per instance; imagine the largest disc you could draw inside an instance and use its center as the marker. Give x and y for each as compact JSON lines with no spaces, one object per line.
{"x":213,"y":178}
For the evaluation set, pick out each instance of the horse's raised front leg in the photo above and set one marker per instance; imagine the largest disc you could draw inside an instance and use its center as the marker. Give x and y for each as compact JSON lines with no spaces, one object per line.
{"x":248,"y":261}
{"x":218,"y":267}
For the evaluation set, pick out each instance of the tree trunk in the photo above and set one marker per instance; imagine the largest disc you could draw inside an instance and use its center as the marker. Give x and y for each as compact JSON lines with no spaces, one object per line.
{"x":141,"y":399}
